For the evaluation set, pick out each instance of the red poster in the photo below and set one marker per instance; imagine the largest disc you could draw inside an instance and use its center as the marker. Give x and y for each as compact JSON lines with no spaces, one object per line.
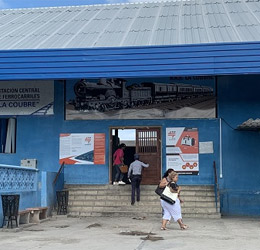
{"x":182,"y":150}
{"x":99,"y":148}
{"x":81,"y":148}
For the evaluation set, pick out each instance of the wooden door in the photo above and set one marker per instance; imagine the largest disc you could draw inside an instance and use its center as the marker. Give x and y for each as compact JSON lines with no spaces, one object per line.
{"x":148,"y":146}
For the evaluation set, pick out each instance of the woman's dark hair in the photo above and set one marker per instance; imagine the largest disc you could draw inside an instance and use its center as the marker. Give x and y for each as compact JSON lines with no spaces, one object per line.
{"x":122,"y":145}
{"x":167,"y":172}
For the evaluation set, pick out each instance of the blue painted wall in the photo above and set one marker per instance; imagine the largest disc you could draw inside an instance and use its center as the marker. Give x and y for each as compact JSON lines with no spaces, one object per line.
{"x":240,"y":187}
{"x":27,"y":199}
{"x":208,"y":131}
{"x":43,"y":194}
{"x":238,"y":100}
{"x":38,"y":137}
{"x":49,"y":188}
{"x":29,"y":196}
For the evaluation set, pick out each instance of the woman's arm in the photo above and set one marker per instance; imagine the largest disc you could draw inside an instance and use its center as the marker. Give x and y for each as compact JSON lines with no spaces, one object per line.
{"x":179,"y":194}
{"x":163,"y":183}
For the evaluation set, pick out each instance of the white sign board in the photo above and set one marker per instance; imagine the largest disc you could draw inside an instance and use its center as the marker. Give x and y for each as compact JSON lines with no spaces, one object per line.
{"x":182,"y":150}
{"x":173,"y":150}
{"x":173,"y":135}
{"x":26,"y":97}
{"x":206,"y":147}
{"x":82,"y":149}
{"x":183,"y":162}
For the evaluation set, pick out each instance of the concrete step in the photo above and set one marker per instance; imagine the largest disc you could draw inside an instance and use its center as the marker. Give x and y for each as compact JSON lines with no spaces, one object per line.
{"x":128,"y":187}
{"x":108,"y":200}
{"x":120,"y":203}
{"x":131,"y":214}
{"x":143,"y":198}
{"x":138,"y":209}
{"x":143,"y":192}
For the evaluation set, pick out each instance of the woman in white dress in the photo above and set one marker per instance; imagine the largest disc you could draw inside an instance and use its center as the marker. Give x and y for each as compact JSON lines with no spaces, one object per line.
{"x":172,"y":210}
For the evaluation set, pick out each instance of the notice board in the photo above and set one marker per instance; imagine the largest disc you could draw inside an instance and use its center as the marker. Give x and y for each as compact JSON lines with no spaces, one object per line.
{"x":81,"y":148}
{"x":182,"y":150}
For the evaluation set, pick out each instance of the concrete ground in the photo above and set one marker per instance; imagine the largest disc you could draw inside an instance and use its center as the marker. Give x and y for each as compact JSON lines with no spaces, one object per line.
{"x":116,"y":233}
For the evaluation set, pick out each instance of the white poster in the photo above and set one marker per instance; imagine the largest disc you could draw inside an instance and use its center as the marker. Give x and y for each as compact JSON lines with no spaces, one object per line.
{"x":182,"y":163}
{"x":206,"y":147}
{"x":82,"y":149}
{"x":26,"y":97}
{"x":173,"y":150}
{"x":173,"y":135}
{"x":182,"y":150}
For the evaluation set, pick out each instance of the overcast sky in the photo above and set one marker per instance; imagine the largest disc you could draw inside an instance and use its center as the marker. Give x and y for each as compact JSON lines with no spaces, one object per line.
{"x":5,"y":4}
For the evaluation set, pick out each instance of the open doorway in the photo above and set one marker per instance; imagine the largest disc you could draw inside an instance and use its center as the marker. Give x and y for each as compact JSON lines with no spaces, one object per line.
{"x":146,"y":141}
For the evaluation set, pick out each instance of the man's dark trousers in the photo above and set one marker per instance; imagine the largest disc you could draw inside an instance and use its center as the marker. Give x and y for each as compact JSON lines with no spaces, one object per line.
{"x":135,"y":182}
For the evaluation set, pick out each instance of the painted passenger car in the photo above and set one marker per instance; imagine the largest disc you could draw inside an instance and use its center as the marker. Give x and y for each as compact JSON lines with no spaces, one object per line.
{"x":115,"y":94}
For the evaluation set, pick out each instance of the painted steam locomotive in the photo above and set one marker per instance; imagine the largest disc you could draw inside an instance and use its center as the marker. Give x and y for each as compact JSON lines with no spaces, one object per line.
{"x":114,"y":94}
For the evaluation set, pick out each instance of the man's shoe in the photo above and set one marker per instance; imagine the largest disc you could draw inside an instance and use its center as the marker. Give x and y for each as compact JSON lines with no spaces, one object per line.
{"x":121,"y":183}
{"x":115,"y":183}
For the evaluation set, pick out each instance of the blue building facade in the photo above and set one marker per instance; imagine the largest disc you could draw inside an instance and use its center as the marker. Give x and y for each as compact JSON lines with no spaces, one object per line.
{"x":236,"y":68}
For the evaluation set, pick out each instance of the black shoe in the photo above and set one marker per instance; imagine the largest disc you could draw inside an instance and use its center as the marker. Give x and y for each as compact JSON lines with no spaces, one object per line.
{"x":138,"y":200}
{"x":132,"y":203}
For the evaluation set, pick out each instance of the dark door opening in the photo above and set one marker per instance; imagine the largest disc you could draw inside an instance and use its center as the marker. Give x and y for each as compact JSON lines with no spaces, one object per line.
{"x":144,"y":141}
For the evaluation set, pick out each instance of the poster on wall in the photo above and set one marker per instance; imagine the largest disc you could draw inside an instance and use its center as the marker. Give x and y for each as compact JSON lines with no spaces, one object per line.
{"x":141,"y":98}
{"x":182,"y":150}
{"x":26,"y":97}
{"x":82,"y":149}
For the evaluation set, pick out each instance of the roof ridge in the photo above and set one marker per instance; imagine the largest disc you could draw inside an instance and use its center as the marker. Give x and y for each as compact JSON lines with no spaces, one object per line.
{"x":91,"y":5}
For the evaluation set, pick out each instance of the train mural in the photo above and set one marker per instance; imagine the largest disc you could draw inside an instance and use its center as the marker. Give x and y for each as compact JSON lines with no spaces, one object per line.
{"x":141,"y":98}
{"x":115,"y":94}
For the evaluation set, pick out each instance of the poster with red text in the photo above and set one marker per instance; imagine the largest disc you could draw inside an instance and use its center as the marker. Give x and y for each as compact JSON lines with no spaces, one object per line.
{"x":182,"y":150}
{"x":82,"y":149}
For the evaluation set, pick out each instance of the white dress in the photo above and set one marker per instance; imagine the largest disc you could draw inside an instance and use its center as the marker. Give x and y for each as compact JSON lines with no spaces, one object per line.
{"x":171,"y":210}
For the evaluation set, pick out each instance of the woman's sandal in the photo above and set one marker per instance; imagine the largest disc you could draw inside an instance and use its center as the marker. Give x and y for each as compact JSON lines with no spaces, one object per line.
{"x":184,"y":227}
{"x":163,"y":228}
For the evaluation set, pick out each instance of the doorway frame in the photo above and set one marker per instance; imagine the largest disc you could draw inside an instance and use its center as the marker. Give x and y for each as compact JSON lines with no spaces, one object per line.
{"x":110,"y":165}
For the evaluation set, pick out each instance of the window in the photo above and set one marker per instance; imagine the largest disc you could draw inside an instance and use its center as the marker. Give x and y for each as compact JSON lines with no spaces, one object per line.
{"x":8,"y":135}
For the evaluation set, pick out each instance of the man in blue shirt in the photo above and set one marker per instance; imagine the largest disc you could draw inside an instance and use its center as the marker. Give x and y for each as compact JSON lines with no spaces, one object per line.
{"x":135,"y":176}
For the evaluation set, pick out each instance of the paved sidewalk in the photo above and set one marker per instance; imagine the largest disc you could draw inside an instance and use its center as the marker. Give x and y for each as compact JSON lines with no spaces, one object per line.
{"x":113,"y":233}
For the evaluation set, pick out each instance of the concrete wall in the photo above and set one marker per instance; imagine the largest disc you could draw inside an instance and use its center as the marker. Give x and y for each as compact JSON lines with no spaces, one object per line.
{"x":27,"y":199}
{"x":42,"y":194}
{"x":48,"y":189}
{"x":240,"y":187}
{"x":23,"y":182}
{"x":38,"y":137}
{"x":208,"y":131}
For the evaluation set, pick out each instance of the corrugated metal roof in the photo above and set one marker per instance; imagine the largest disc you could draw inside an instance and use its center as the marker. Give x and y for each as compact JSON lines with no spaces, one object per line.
{"x":250,"y":124}
{"x":133,"y":24}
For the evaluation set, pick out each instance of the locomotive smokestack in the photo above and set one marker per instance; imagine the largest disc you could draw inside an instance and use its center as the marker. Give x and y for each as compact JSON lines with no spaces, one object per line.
{"x":103,"y":81}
